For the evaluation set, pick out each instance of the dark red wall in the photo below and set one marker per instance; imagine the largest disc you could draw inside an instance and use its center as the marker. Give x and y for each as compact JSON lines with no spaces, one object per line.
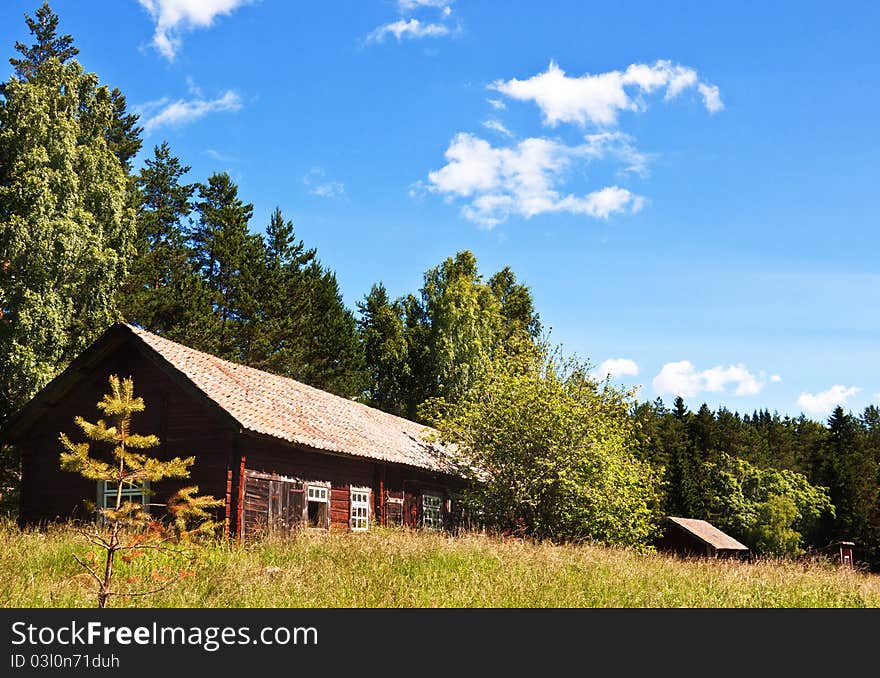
{"x":189,"y":425}
{"x":185,"y":426}
{"x":277,"y":457}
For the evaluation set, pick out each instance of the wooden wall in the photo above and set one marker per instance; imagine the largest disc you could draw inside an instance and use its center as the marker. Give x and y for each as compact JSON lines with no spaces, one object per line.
{"x":185,"y":426}
{"x":189,"y":425}
{"x":267,"y":456}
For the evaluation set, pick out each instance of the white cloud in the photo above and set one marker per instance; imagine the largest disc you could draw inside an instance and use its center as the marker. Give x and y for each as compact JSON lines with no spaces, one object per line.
{"x":331,"y":189}
{"x":402,"y":29}
{"x":775,"y":378}
{"x":193,"y":87}
{"x":323,"y":189}
{"x":598,"y":98}
{"x":711,"y":97}
{"x":617,"y":367}
{"x":523,"y":179}
{"x":497,"y":104}
{"x":410,"y":5}
{"x":217,"y":155}
{"x":497,"y":126}
{"x":164,"y":113}
{"x":173,"y":17}
{"x":682,"y":379}
{"x":825,"y":401}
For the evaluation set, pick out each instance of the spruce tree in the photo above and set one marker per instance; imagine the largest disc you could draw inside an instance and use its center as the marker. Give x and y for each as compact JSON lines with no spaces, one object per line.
{"x":163,"y":292}
{"x":280,"y":330}
{"x":48,"y":44}
{"x":333,"y":353}
{"x":124,"y":133}
{"x":222,"y":249}
{"x":128,"y":465}
{"x":382,"y":333}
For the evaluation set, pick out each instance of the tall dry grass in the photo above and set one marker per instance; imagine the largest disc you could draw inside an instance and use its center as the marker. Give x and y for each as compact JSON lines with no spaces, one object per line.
{"x":401,"y":568}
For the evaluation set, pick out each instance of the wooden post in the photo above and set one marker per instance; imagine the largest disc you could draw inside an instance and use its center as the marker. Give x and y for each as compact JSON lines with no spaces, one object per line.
{"x":240,"y":504}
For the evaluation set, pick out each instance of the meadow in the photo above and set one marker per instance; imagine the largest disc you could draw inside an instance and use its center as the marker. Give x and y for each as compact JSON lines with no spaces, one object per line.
{"x":402,"y":568}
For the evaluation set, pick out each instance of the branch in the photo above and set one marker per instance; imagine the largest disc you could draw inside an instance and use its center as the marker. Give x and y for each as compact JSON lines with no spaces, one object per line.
{"x":95,"y":538}
{"x":91,"y":571}
{"x":156,"y":547}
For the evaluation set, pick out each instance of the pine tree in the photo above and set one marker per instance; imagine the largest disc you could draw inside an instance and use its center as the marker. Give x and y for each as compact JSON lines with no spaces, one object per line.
{"x":48,"y":44}
{"x":385,"y":350}
{"x":223,"y":249}
{"x":163,"y":293}
{"x":124,"y":133}
{"x":850,"y":472}
{"x":127,"y":466}
{"x":276,"y":335}
{"x":334,"y":356}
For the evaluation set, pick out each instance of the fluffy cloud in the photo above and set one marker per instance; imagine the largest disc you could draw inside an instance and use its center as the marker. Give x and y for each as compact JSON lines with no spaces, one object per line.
{"x":173,"y":17}
{"x":524,"y":179}
{"x":825,"y":401}
{"x":775,"y":378}
{"x":616,"y":367}
{"x":599,"y":98}
{"x":497,"y":104}
{"x":166,"y":113}
{"x":682,"y":379}
{"x":402,"y":29}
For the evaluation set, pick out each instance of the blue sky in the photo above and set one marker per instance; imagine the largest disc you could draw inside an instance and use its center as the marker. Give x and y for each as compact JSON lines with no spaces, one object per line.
{"x":689,"y":188}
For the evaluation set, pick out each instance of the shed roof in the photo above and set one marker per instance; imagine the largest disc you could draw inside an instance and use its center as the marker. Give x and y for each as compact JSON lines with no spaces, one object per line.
{"x":708,"y":533}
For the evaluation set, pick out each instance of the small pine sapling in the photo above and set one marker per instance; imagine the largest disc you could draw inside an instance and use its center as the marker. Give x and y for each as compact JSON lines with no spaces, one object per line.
{"x":126,"y":525}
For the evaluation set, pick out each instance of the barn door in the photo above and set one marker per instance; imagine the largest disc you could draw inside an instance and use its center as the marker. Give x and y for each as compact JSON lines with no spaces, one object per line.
{"x":286,"y":502}
{"x":272,"y":504}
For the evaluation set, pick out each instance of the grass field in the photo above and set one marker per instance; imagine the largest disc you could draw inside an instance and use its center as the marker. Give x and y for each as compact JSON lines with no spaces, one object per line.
{"x":396,"y":568}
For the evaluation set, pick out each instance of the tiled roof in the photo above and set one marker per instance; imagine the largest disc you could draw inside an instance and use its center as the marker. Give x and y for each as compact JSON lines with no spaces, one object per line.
{"x":709,"y":534}
{"x":289,"y":410}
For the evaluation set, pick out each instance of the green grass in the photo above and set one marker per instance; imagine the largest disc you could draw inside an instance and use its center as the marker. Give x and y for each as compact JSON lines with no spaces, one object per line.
{"x":399,"y":568}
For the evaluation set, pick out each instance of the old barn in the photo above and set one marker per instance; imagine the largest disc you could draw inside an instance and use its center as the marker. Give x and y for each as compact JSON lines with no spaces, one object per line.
{"x":281,"y":454}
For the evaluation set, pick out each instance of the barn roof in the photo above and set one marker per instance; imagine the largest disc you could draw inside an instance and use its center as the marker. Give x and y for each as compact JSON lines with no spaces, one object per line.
{"x":265,"y":404}
{"x":290,"y":410}
{"x":708,"y":533}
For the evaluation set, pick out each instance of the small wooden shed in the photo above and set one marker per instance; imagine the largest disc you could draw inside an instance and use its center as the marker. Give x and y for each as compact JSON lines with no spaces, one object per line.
{"x":693,"y":537}
{"x":280,"y":454}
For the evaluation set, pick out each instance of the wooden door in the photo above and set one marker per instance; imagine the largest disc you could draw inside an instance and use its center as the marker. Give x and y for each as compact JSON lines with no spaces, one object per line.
{"x":272,"y":504}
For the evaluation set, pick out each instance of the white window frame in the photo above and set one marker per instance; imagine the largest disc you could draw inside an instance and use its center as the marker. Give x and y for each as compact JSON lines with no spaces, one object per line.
{"x":359,"y":509}
{"x":319,"y":492}
{"x":130,"y":492}
{"x":431,"y":503}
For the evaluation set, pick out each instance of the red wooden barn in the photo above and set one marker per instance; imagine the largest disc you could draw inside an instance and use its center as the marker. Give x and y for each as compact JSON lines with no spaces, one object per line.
{"x":279,"y":452}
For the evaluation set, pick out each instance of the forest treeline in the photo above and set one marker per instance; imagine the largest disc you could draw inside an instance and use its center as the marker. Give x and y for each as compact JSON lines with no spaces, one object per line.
{"x":95,"y":229}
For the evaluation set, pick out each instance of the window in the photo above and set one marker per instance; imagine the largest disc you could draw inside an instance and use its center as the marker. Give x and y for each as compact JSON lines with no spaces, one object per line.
{"x":134,"y":492}
{"x":318,"y":512}
{"x":393,"y":510}
{"x":360,"y":509}
{"x":432,"y":512}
